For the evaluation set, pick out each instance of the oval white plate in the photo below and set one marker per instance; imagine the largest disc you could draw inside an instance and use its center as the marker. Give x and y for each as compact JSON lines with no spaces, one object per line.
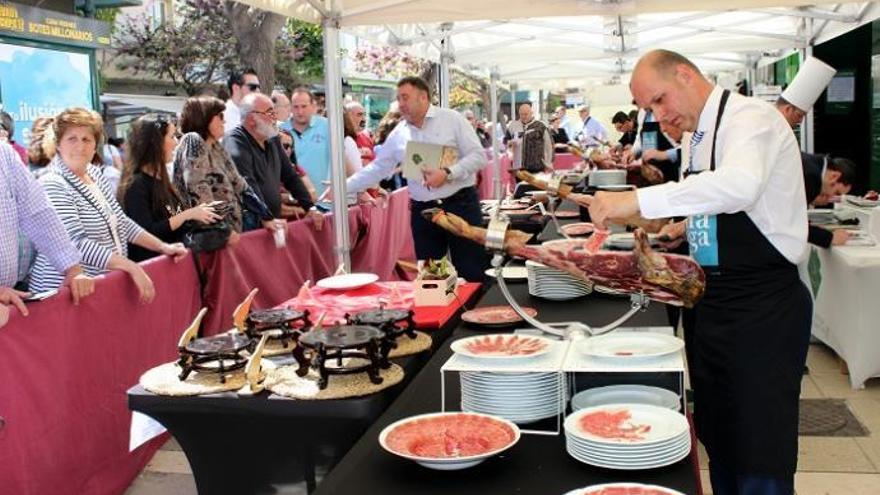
{"x":448,"y":463}
{"x":347,"y":281}
{"x":460,"y":346}
{"x":629,"y":345}
{"x":665,"y":425}
{"x":597,"y":489}
{"x":620,"y":394}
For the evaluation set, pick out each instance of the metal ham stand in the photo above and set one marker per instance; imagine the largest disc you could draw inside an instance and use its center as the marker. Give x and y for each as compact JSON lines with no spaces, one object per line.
{"x":498,"y":225}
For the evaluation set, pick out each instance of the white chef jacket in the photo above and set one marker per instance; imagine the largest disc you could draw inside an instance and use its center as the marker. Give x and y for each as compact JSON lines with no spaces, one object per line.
{"x":757,"y":170}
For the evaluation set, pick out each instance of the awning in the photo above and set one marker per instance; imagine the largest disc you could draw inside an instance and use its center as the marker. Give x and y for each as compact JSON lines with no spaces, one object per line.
{"x":116,"y":104}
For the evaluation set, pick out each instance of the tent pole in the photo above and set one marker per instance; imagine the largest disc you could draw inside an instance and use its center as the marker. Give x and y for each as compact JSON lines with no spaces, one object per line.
{"x":496,"y":148}
{"x":445,"y":59}
{"x":807,"y":127}
{"x":513,"y":114}
{"x":333,"y":84}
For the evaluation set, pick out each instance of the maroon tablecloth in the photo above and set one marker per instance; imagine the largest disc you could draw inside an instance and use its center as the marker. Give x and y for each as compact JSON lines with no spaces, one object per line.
{"x":65,"y":369}
{"x":561,"y":161}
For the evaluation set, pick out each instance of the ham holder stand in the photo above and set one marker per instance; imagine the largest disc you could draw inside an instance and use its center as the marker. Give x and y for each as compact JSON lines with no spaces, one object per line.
{"x":497,"y":229}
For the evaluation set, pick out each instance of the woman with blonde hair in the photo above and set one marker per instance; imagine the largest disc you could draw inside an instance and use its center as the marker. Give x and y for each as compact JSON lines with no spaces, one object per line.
{"x":41,"y":146}
{"x":83,"y":199}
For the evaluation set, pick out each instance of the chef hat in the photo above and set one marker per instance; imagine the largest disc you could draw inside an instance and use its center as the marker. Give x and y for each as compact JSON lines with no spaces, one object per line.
{"x":812,"y":78}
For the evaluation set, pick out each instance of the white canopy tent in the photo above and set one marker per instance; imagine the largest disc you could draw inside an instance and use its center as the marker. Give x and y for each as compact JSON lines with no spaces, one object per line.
{"x":551,"y":44}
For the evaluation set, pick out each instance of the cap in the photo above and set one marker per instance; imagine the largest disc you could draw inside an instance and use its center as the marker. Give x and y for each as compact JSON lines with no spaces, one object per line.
{"x":812,"y":78}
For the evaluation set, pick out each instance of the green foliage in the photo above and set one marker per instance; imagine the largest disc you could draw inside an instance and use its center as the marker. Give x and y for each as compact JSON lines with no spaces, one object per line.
{"x":300,"y":54}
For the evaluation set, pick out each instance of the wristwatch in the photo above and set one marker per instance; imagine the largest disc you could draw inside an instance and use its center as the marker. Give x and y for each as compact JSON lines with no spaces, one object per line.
{"x":448,"y":172}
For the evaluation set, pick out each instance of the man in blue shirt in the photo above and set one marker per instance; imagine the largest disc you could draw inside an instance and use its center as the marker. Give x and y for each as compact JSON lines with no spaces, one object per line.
{"x":311,"y":138}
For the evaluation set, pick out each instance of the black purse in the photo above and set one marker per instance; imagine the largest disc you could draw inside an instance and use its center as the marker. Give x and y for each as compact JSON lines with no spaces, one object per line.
{"x":207,"y":238}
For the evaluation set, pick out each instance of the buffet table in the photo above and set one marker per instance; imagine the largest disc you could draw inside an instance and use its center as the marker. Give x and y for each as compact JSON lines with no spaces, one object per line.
{"x":238,"y":445}
{"x":537,"y":464}
{"x":846,"y":310}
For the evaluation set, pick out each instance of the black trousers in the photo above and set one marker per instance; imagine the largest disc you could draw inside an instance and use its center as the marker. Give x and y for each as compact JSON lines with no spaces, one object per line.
{"x":432,"y":242}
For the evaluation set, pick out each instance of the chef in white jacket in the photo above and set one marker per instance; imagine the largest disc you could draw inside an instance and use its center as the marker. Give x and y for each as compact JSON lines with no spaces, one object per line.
{"x":747,"y":227}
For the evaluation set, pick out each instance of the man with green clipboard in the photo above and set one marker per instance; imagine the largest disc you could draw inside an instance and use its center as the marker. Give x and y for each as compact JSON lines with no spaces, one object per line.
{"x":747,"y":227}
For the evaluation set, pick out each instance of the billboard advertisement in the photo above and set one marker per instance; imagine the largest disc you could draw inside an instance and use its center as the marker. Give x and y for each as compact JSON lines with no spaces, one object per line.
{"x":40,"y":82}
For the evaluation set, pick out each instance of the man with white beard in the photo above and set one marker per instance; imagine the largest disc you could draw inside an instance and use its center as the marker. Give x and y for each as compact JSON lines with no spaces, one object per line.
{"x":259,"y":157}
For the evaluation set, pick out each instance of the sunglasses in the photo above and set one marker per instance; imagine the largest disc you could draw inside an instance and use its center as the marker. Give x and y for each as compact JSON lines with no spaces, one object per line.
{"x":253,"y":86}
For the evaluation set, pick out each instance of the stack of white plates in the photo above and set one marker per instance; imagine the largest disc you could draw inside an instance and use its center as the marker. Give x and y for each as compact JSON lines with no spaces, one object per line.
{"x":518,"y":397}
{"x":627,"y":436}
{"x":607,"y":177}
{"x":551,"y":283}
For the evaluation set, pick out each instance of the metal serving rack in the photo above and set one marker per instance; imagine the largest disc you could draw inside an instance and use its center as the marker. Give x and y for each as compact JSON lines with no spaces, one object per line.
{"x":552,"y":362}
{"x":577,"y":362}
{"x":495,"y":244}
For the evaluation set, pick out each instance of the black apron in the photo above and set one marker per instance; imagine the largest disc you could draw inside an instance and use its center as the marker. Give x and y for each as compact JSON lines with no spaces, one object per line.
{"x":750,"y":345}
{"x":652,"y":138}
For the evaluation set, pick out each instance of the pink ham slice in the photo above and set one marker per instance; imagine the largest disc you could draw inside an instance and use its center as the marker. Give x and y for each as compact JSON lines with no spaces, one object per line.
{"x":505,"y":345}
{"x":613,"y":426}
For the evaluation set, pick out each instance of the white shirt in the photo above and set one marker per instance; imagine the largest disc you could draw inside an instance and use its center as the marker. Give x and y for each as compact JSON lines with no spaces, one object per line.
{"x":441,"y":126}
{"x":231,"y":116}
{"x":592,"y":133}
{"x":352,"y":153}
{"x":757,"y":170}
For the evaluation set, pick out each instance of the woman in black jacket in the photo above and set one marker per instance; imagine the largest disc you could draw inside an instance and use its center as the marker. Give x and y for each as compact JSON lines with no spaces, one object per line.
{"x":145,"y":191}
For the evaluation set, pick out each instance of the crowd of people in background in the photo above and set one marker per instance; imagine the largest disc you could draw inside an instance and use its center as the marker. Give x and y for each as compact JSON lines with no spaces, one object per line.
{"x":81,"y":205}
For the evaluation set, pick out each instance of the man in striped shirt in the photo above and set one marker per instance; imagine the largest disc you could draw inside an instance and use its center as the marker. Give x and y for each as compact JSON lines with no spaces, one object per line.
{"x":24,"y":208}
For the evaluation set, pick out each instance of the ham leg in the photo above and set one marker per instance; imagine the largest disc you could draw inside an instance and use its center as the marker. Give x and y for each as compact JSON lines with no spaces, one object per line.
{"x":668,"y":278}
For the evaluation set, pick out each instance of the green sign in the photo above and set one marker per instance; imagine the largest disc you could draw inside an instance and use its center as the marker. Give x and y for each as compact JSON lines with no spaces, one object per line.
{"x":31,"y":23}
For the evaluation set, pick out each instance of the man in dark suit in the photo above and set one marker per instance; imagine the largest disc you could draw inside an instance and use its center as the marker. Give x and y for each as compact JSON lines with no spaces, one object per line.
{"x":825,"y":177}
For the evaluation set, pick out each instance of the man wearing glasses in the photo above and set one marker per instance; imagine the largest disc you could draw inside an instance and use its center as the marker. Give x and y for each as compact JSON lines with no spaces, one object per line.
{"x":240,"y":84}
{"x":364,"y":141}
{"x":261,"y":159}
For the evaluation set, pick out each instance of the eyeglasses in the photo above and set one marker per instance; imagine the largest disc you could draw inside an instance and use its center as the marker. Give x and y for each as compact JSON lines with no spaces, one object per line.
{"x":253,"y":86}
{"x":269,"y":113}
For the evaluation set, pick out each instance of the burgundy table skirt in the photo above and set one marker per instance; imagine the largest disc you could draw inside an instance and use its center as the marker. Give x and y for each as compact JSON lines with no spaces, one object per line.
{"x":65,"y":369}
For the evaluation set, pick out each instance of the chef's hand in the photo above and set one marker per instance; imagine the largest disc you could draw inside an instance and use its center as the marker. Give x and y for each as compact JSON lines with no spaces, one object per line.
{"x":613,"y":207}
{"x":675,"y":232}
{"x":839,"y":237}
{"x":435,"y":178}
{"x":627,"y":156}
{"x":654,"y":155}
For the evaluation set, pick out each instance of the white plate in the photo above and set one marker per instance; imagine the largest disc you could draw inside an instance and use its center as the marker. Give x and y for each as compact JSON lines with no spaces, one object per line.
{"x":536,"y":345}
{"x":670,"y":450}
{"x":597,"y":489}
{"x":510,"y":273}
{"x":627,"y":240}
{"x":630,"y":345}
{"x":864,"y":203}
{"x":447,"y":463}
{"x":616,"y":187}
{"x":347,"y":281}
{"x":665,"y":425}
{"x":630,"y":466}
{"x":631,"y":394}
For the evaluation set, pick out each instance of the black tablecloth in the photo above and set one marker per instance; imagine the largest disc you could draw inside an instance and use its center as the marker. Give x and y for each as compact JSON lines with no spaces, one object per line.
{"x":241,"y":445}
{"x":536,"y":465}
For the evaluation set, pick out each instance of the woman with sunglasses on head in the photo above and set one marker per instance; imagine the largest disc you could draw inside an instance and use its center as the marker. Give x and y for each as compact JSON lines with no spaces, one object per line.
{"x":204,"y":171}
{"x":145,"y":191}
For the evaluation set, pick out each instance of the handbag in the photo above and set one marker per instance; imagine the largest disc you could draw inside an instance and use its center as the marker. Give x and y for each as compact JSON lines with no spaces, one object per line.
{"x":207,"y":238}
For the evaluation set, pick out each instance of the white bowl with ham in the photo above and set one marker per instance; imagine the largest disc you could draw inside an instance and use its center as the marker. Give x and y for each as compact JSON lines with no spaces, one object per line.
{"x":449,"y":441}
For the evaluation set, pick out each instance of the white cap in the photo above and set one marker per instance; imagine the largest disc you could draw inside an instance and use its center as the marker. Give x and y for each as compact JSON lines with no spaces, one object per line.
{"x":812,"y":78}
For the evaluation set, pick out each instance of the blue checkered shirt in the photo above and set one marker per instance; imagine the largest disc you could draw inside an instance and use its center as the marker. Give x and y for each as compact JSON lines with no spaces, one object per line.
{"x":25,"y":211}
